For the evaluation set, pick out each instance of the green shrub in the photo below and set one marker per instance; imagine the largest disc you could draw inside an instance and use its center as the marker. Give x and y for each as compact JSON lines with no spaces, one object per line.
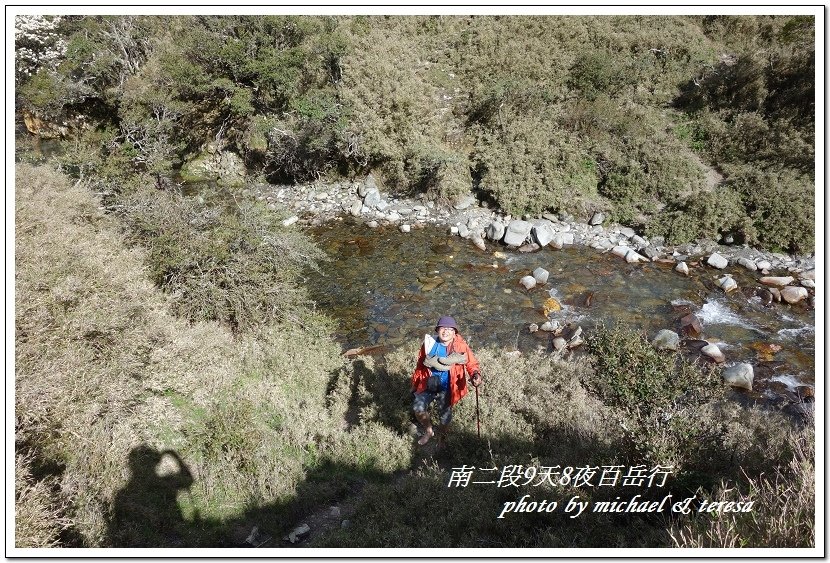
{"x":234,"y":263}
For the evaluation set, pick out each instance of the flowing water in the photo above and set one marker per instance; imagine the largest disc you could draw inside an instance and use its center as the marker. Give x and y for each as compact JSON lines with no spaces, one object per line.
{"x":387,"y":288}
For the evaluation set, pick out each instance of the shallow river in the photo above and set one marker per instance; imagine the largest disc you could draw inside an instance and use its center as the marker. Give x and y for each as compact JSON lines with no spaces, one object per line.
{"x":384,"y":287}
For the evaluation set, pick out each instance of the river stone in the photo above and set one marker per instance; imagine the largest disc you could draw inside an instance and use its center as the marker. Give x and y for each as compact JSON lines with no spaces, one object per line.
{"x":405,"y":228}
{"x":568,"y":238}
{"x":776,"y":294}
{"x":747,"y":263}
{"x":528,"y":281}
{"x":368,"y":184}
{"x":298,"y":533}
{"x":808,"y":275}
{"x":633,"y":257}
{"x":653,"y":254}
{"x":639,"y":242}
{"x":690,"y":325}
{"x":463,"y":231}
{"x":494,"y":231}
{"x":597,"y":219}
{"x":666,"y":340}
{"x":810,"y":284}
{"x":541,"y":275}
{"x":717,"y":261}
{"x":764,"y":264}
{"x":627,"y":232}
{"x":793,"y":294}
{"x":558,"y":241}
{"x":543,"y":232}
{"x":479,"y":242}
{"x":517,"y":232}
{"x":777,"y":281}
{"x":559,"y":343}
{"x":464,"y":202}
{"x":739,"y":375}
{"x":372,"y":197}
{"x":712,"y":351}
{"x":533,"y":327}
{"x":547,"y":326}
{"x":727,"y":284}
{"x":620,"y":251}
{"x":383,"y":205}
{"x":356,"y":207}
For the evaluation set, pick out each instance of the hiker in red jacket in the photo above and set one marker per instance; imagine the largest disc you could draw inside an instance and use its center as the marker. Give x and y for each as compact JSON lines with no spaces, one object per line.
{"x":440,"y":376}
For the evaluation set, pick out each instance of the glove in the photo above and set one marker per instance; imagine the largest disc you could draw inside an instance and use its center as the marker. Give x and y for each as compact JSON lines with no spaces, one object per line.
{"x":475,"y":379}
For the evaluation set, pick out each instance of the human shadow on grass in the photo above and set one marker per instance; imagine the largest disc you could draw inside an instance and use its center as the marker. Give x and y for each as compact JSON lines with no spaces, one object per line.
{"x":397,"y":509}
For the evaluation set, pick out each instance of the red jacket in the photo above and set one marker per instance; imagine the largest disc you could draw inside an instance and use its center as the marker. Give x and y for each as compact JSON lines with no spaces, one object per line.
{"x":458,"y":379}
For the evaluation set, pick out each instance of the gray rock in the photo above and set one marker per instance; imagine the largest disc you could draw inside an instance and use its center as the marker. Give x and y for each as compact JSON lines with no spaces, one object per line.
{"x":463,"y":231}
{"x":638,"y":241}
{"x":543,"y":232}
{"x":299,"y":533}
{"x":810,"y":284}
{"x":290,"y":221}
{"x":728,"y":238}
{"x":495,"y":231}
{"x":712,"y":351}
{"x":382,"y":205}
{"x":568,"y":238}
{"x":547,"y":326}
{"x":739,"y":375}
{"x":479,"y":243}
{"x":533,"y":327}
{"x":368,"y":184}
{"x":405,"y":228}
{"x":780,"y":281}
{"x":717,"y":261}
{"x":372,"y":197}
{"x":557,"y":241}
{"x":559,"y":343}
{"x":541,"y":275}
{"x":529,"y":282}
{"x":633,"y":257}
{"x":627,"y":232}
{"x":517,"y":232}
{"x":464,"y":202}
{"x":666,"y":340}
{"x":597,"y":219}
{"x":764,"y":264}
{"x":747,"y":263}
{"x":652,"y":253}
{"x":727,"y":284}
{"x":793,"y":294}
{"x":620,"y":251}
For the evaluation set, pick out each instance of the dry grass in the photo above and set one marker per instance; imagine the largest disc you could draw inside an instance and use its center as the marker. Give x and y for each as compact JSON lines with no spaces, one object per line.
{"x":783,"y":513}
{"x":104,"y":370}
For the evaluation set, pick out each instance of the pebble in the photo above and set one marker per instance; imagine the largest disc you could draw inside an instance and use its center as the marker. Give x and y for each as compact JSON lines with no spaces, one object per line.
{"x":712,"y":351}
{"x":529,"y":282}
{"x":683,"y":268}
{"x":405,"y":228}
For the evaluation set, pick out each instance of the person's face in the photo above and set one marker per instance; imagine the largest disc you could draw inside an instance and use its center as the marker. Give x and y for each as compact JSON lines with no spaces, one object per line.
{"x":445,"y":334}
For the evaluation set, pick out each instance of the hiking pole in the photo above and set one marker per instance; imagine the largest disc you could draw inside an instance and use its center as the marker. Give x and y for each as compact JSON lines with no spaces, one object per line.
{"x":478,"y":416}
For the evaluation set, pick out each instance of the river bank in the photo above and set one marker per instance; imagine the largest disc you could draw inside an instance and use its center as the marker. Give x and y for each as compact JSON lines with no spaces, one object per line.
{"x":316,"y":203}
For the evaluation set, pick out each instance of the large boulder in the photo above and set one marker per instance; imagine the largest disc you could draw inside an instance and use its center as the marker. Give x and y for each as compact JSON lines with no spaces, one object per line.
{"x":517,"y":232}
